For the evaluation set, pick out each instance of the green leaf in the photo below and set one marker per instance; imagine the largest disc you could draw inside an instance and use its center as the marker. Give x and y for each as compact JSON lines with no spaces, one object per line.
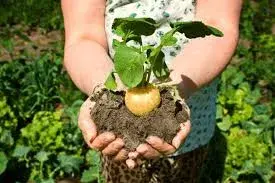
{"x":6,"y":138}
{"x":90,"y":175}
{"x":70,"y":163}
{"x":42,"y":156}
{"x":110,"y":83}
{"x":225,"y":124}
{"x":93,"y":158}
{"x":134,"y":26}
{"x":195,"y":29}
{"x":3,"y":162}
{"x":168,"y":39}
{"x":21,"y":151}
{"x":160,"y":68}
{"x":116,"y":43}
{"x":129,"y":65}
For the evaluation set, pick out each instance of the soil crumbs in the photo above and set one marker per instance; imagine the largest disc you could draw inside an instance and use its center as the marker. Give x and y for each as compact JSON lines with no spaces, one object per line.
{"x":111,"y":114}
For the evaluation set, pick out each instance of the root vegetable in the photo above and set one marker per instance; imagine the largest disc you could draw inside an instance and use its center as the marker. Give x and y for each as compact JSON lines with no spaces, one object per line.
{"x":142,"y":100}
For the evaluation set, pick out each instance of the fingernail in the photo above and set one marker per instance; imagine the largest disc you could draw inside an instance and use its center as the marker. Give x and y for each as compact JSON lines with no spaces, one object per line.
{"x":118,"y":146}
{"x":177,"y":143}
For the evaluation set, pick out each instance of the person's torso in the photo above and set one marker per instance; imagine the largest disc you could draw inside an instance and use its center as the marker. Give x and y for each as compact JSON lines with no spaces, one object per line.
{"x":202,"y":103}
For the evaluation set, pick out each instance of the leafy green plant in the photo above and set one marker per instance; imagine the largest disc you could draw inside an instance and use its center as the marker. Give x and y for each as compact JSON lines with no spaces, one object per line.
{"x":134,"y":65}
{"x":44,"y":149}
{"x":43,"y":85}
{"x":245,"y":103}
{"x":256,"y":160}
{"x":8,"y":124}
{"x":93,"y":173}
{"x":247,"y":125}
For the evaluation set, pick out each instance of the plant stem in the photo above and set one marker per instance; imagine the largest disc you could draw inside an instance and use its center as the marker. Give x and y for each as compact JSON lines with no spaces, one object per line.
{"x":152,"y":60}
{"x":54,"y":171}
{"x":148,"y":75}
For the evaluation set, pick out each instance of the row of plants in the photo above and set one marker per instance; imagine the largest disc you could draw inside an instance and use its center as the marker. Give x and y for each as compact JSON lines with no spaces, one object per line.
{"x":243,"y":147}
{"x":39,"y":137}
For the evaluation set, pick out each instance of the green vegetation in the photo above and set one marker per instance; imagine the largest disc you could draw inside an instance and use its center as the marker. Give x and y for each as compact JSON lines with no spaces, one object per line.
{"x":39,"y":137}
{"x":134,"y":64}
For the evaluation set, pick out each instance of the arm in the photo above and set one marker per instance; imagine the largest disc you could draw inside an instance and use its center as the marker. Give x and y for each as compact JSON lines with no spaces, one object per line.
{"x":85,"y":57}
{"x":87,"y":62}
{"x":204,"y":59}
{"x":200,"y":62}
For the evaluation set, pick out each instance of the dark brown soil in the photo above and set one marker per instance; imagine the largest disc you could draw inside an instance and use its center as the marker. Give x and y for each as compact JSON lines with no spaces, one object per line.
{"x":111,"y":114}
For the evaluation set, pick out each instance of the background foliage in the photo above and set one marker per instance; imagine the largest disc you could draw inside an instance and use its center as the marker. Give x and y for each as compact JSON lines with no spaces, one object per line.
{"x":39,"y":138}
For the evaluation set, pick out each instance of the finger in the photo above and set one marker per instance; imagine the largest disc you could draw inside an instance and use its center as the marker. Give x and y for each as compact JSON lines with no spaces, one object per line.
{"x":130,"y":163}
{"x":122,"y":155}
{"x":133,"y":155}
{"x":160,"y":145}
{"x":147,"y":151}
{"x":85,"y":122}
{"x":113,"y":148}
{"x":182,"y":134}
{"x":103,"y":140}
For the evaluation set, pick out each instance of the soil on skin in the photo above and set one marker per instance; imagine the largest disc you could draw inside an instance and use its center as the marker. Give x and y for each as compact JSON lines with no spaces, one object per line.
{"x":111,"y":114}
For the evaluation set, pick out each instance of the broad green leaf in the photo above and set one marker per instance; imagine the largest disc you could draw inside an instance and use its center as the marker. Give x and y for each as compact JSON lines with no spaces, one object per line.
{"x":225,"y":124}
{"x":110,"y":83}
{"x":69,"y":163}
{"x":195,"y":29}
{"x":160,"y":68}
{"x":129,"y":65}
{"x":90,"y":175}
{"x":134,"y":26}
{"x":3,"y":162}
{"x":168,"y":39}
{"x":21,"y":151}
{"x":42,"y":156}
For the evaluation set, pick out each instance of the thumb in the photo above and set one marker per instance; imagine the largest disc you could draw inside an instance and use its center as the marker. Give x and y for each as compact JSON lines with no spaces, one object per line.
{"x":182,"y":134}
{"x":85,"y":123}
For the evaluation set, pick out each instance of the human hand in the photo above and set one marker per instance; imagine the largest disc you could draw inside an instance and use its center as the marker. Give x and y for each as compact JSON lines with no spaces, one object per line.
{"x":157,"y":147}
{"x":105,"y":142}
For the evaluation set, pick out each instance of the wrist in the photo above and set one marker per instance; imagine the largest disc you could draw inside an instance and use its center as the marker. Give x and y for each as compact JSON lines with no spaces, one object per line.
{"x":184,"y":84}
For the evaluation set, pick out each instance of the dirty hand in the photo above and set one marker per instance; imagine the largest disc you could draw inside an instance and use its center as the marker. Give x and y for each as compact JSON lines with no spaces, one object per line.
{"x":156,"y":147}
{"x":106,"y":142}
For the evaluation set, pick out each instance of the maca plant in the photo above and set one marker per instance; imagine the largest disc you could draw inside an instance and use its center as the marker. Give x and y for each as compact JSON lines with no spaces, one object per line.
{"x":144,"y":108}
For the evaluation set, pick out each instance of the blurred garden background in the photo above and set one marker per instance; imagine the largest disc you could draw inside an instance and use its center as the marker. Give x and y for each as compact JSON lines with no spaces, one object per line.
{"x":39,"y":138}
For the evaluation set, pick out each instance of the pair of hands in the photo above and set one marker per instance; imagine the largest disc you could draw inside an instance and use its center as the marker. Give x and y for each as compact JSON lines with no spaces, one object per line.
{"x":110,"y":145}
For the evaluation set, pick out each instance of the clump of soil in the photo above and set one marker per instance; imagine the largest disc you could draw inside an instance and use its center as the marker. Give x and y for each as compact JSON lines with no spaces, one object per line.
{"x":111,"y":114}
